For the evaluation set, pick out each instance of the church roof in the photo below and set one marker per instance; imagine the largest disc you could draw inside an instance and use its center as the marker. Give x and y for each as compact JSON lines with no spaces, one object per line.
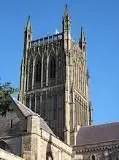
{"x":28,"y":112}
{"x":98,"y":134}
{"x":25,"y":110}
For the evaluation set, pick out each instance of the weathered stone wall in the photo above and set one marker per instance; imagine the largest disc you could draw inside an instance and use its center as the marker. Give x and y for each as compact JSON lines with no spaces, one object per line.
{"x":66,"y":76}
{"x":107,"y":150}
{"x":38,"y":144}
{"x":4,"y":155}
{"x":58,"y":149}
{"x":12,"y":128}
{"x":77,"y":94}
{"x":46,"y":96}
{"x":49,"y":104}
{"x":11,"y":124}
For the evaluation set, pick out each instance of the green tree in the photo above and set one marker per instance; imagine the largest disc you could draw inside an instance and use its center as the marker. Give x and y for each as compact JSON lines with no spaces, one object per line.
{"x":5,"y":91}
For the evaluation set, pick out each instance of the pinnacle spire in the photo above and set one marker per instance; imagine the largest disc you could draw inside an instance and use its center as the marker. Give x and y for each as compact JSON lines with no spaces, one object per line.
{"x":28,"y":25}
{"x":66,"y":19}
{"x":66,"y":10}
{"x":82,"y":40}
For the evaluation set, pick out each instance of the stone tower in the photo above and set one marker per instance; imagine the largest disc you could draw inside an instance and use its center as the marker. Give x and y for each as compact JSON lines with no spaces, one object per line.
{"x":54,"y":80}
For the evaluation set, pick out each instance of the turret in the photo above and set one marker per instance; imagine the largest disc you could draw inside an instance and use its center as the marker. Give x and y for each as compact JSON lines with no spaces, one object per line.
{"x":66,"y":28}
{"x":27,"y":45}
{"x":66,"y":20}
{"x":27,"y":35}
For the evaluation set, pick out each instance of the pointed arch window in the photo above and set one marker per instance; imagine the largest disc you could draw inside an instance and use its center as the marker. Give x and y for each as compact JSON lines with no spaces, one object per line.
{"x":30,"y":73}
{"x":52,"y":68}
{"x":38,"y":71}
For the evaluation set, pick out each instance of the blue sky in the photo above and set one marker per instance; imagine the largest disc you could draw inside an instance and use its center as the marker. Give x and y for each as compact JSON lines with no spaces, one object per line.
{"x":100,"y":19}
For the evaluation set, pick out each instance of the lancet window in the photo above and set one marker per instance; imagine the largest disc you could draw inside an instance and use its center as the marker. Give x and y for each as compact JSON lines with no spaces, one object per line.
{"x":38,"y":71}
{"x":52,"y":66}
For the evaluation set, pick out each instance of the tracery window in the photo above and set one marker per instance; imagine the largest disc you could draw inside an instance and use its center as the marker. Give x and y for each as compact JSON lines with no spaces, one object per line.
{"x":52,"y":67}
{"x":38,"y":71}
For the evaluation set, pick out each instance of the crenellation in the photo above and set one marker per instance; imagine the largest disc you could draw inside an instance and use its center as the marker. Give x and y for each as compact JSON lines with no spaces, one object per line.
{"x":47,"y":40}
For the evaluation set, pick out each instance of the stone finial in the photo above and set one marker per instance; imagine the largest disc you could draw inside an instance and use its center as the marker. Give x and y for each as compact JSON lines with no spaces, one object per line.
{"x":28,"y":25}
{"x":82,"y":41}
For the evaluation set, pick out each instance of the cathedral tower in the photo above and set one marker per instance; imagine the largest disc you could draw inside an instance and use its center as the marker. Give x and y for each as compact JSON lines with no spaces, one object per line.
{"x":55,"y":81}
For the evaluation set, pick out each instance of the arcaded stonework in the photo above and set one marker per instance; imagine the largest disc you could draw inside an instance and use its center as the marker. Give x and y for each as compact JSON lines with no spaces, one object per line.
{"x":55,"y":122}
{"x":54,"y":80}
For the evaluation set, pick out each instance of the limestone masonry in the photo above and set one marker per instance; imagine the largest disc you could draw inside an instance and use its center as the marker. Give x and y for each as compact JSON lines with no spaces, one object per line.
{"x":52,"y":118}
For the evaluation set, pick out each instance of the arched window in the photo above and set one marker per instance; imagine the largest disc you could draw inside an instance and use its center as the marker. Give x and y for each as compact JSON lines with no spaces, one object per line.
{"x":93,"y":157}
{"x":44,"y":67}
{"x":52,"y":67}
{"x":30,"y":72}
{"x":38,"y":71}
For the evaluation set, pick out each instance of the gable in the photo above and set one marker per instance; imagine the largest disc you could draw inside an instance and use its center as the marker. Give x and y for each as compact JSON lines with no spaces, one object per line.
{"x":11,"y":124}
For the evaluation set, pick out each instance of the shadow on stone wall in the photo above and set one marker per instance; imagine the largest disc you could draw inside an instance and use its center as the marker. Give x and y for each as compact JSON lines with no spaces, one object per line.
{"x":49,"y":155}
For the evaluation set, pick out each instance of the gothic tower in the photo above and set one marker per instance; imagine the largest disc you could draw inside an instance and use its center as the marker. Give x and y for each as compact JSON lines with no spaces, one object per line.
{"x":55,"y":81}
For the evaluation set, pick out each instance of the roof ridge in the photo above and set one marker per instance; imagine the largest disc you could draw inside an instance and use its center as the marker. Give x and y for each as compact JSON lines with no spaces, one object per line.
{"x":23,"y":108}
{"x":99,"y":125}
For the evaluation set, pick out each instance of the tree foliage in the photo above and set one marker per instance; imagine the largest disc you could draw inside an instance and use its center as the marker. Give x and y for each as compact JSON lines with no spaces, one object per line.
{"x":5,"y":91}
